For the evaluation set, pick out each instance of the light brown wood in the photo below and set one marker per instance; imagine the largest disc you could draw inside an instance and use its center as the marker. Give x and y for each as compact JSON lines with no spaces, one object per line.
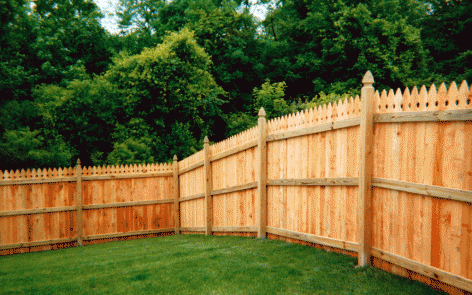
{"x":176,"y":193}
{"x":431,"y":116}
{"x":262,"y":175}
{"x":236,"y":229}
{"x":36,"y":180}
{"x":126,"y":176}
{"x":89,"y":177}
{"x":191,"y":167}
{"x":192,"y":197}
{"x":208,"y":187}
{"x":127,"y":204}
{"x":342,"y":181}
{"x":127,"y":234}
{"x":79,"y":202}
{"x":423,"y":189}
{"x":365,"y":169}
{"x":234,"y":189}
{"x":38,"y":211}
{"x":314,"y":239}
{"x":235,"y":150}
{"x":37,"y":243}
{"x":315,"y":129}
{"x":193,"y":228}
{"x":429,"y":271}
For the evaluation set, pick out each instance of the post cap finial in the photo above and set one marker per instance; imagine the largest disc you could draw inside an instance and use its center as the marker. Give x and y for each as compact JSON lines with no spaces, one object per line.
{"x":368,"y":79}
{"x":206,"y":140}
{"x":78,"y":162}
{"x":175,"y":157}
{"x":262,"y":112}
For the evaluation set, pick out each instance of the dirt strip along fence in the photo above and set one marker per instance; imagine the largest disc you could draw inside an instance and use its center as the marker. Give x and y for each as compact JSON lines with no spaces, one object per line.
{"x":385,"y":177}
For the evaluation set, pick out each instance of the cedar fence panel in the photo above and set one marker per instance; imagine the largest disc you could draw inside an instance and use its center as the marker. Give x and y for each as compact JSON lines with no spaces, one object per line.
{"x":192,"y":186}
{"x":233,"y":183}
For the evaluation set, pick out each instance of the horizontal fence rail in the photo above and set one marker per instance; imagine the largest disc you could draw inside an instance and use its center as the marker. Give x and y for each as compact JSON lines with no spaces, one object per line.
{"x":386,"y":176}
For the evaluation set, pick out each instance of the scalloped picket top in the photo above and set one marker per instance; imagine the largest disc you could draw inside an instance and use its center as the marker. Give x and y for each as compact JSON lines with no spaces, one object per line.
{"x":86,"y":171}
{"x":431,"y":99}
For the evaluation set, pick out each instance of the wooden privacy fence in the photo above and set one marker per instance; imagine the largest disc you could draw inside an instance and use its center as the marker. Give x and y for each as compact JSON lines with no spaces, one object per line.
{"x":46,"y":209}
{"x":386,"y":177}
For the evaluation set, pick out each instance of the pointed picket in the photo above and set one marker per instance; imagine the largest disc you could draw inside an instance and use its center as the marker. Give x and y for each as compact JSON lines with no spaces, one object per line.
{"x":453,"y":96}
{"x":432,"y":97}
{"x":443,"y":102}
{"x":406,"y":100}
{"x":464,"y":95}
{"x":383,"y":101}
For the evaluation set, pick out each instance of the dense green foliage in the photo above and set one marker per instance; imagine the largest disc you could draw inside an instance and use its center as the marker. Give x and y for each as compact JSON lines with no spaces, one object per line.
{"x":197,"y":264}
{"x":183,"y":69}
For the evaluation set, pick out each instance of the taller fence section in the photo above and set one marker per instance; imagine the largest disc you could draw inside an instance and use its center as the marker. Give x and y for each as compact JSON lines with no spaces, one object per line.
{"x":386,"y":177}
{"x":50,"y":209}
{"x":313,"y":164}
{"x":422,"y":183}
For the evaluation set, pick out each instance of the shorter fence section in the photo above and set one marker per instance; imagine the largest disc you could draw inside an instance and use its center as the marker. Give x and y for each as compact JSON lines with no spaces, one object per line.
{"x":48,"y":209}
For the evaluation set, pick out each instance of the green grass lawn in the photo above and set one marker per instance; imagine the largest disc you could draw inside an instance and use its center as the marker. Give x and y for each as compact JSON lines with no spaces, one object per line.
{"x":194,"y":264}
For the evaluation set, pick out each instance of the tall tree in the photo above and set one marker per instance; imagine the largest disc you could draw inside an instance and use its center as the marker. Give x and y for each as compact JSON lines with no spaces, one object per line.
{"x":16,"y":37}
{"x":446,"y":34}
{"x":69,"y":37}
{"x":329,"y":44}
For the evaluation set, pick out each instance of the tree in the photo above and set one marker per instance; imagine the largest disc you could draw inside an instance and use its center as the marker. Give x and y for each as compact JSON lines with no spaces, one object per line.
{"x":83,"y":114}
{"x":16,"y":36}
{"x":446,"y":34}
{"x":69,"y":36}
{"x":171,"y":90}
{"x":329,"y":44}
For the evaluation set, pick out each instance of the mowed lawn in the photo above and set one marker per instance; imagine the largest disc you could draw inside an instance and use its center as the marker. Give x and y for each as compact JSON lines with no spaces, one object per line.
{"x":194,"y":264}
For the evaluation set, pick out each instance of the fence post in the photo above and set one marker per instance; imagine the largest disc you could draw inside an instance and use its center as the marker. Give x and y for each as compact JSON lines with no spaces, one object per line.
{"x":78,"y":172}
{"x":262,"y":176}
{"x":208,"y":186}
{"x":176,"y":196}
{"x":365,"y":170}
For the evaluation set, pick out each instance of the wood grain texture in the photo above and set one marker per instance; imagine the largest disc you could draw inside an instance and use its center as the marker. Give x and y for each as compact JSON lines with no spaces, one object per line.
{"x":262,"y":175}
{"x":127,"y":204}
{"x":192,"y":167}
{"x":193,"y":197}
{"x":234,"y":189}
{"x":236,"y":229}
{"x":127,"y":234}
{"x":37,"y":243}
{"x":431,"y":116}
{"x":235,"y":150}
{"x":340,"y":181}
{"x":315,"y":129}
{"x":424,"y":189}
{"x":365,"y":169}
{"x":314,"y":239}
{"x":429,"y":271}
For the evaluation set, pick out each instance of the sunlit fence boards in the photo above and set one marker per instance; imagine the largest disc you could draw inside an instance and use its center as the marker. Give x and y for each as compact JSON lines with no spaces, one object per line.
{"x":423,"y":181}
{"x":192,"y":193}
{"x":33,"y":210}
{"x":312,"y":173}
{"x":389,"y":182}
